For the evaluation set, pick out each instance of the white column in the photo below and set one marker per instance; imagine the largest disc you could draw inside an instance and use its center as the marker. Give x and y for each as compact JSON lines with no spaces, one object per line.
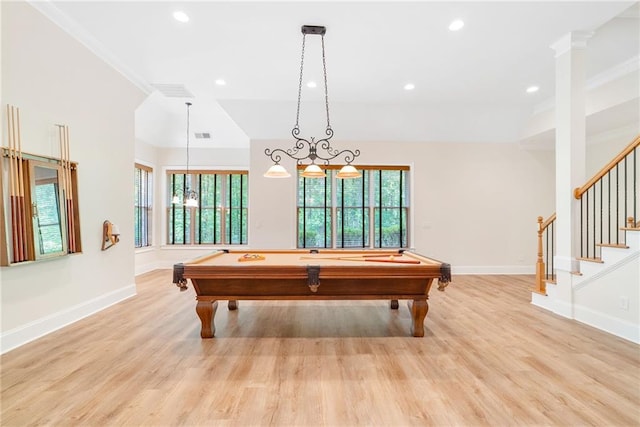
{"x":570,"y":161}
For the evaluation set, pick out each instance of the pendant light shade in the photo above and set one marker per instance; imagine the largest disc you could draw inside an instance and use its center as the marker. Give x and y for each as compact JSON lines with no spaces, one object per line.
{"x":348,"y":171}
{"x":313,"y":171}
{"x":277,"y":171}
{"x":192,"y":201}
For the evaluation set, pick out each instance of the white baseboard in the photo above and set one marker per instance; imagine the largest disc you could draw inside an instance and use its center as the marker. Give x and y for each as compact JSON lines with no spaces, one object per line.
{"x":141,"y":269}
{"x":542,"y":301}
{"x":493,"y":269}
{"x":564,"y":309}
{"x":21,"y":335}
{"x":618,"y":327}
{"x":549,"y":302}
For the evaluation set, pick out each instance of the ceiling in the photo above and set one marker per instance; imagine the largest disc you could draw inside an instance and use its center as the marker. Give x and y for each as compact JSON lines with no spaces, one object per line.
{"x":469,"y":85}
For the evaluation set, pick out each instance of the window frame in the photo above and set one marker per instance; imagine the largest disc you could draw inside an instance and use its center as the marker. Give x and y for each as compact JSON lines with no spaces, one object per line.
{"x":146,"y":207}
{"x":192,"y":236}
{"x":371,"y":211}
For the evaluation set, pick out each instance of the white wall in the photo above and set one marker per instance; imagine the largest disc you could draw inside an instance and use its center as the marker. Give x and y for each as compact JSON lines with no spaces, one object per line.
{"x":601,"y":151}
{"x":54,"y":79}
{"x":598,"y":301}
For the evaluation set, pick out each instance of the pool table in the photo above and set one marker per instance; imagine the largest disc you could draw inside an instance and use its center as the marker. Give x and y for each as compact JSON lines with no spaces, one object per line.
{"x":322,"y":274}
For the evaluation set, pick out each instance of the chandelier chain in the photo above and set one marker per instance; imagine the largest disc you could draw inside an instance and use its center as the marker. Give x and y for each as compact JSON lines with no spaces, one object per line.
{"x":188,"y":105}
{"x":304,"y":37}
{"x":326,"y":90}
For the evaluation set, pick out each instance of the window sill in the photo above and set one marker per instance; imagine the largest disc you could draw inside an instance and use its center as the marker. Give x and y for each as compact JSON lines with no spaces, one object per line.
{"x":145,"y":249}
{"x":201,"y":247}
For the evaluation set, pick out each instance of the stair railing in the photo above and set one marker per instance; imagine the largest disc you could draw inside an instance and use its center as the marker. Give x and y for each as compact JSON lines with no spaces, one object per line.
{"x":609,"y":204}
{"x":545,"y":271}
{"x":607,"y":200}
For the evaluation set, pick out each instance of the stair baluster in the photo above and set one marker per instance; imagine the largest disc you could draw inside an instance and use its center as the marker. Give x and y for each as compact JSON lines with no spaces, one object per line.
{"x":615,"y":186}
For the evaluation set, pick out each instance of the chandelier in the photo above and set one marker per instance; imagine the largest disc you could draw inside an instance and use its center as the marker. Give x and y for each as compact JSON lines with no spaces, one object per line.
{"x":190,"y":198}
{"x":310,"y":149}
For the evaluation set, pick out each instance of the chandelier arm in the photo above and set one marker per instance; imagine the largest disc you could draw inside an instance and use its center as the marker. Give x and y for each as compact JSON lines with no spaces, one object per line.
{"x":292,"y":153}
{"x":295,"y":132}
{"x":273,"y":155}
{"x":349,"y":155}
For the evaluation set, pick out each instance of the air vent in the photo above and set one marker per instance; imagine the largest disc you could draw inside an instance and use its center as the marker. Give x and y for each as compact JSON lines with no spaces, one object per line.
{"x":203,"y":135}
{"x":173,"y":90}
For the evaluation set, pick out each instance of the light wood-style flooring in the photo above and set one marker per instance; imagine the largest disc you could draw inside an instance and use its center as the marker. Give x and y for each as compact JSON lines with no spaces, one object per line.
{"x":488,"y":358}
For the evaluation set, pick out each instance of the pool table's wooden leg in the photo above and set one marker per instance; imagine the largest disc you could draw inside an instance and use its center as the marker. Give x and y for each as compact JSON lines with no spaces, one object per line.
{"x":394,"y":304}
{"x":418,"y":309}
{"x":206,"y":311}
{"x":233,"y":304}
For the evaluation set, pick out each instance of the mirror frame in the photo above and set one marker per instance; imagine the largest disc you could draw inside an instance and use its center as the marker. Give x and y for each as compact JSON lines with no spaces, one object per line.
{"x":67,"y":202}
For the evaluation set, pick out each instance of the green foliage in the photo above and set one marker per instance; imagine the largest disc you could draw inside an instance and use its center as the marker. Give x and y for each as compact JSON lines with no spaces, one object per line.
{"x":49,"y":225}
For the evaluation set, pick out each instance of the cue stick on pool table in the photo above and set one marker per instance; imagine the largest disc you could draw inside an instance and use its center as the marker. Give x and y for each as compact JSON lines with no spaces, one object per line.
{"x":355,"y":256}
{"x":397,"y":261}
{"x":377,"y":255}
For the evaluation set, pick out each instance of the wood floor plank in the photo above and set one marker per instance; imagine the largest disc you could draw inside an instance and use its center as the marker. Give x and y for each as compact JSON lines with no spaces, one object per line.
{"x":488,"y":358}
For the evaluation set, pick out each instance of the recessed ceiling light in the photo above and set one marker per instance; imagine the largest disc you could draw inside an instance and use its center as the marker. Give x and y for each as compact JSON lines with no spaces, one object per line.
{"x":181,"y":16}
{"x":312,"y":84}
{"x":221,"y":82}
{"x":532,"y":89}
{"x":456,"y":25}
{"x":409,"y":86}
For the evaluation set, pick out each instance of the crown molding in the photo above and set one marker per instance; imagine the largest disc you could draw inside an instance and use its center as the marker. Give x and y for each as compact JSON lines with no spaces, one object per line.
{"x":572,"y":40}
{"x":628,"y":131}
{"x":631,"y":65}
{"x":615,"y":72}
{"x":71,"y":27}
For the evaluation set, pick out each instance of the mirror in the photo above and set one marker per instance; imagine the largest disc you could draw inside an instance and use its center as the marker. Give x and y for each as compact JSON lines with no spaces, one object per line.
{"x":46,"y":203}
{"x":39,"y":213}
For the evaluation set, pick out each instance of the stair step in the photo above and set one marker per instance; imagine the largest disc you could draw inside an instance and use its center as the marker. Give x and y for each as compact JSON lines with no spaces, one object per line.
{"x":612,"y":245}
{"x":597,"y":260}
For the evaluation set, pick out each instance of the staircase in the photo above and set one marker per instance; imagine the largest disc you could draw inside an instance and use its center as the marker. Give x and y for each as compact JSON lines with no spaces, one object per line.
{"x":604,"y":292}
{"x":610,"y":256}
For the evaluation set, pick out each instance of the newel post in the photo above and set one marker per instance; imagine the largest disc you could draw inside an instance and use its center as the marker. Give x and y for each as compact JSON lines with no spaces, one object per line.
{"x":541,"y":287}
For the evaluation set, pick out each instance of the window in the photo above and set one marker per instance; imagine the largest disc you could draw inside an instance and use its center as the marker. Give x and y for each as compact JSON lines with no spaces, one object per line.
{"x":50,"y":236}
{"x":366,"y":212}
{"x":221,"y":216}
{"x":143,"y":202}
